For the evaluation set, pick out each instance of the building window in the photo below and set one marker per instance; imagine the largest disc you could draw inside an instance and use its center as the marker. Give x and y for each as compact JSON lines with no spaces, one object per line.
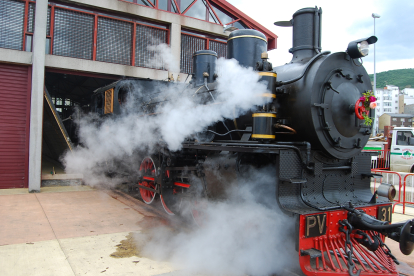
{"x":192,"y":42}
{"x":402,"y":120}
{"x":12,"y":24}
{"x":73,"y":34}
{"x":147,"y":39}
{"x":394,"y":119}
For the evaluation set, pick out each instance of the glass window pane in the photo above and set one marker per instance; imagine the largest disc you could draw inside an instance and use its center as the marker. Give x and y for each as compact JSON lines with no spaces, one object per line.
{"x":224,"y":18}
{"x":163,"y":5}
{"x":184,"y":4}
{"x":212,"y":17}
{"x":144,"y":2}
{"x":67,"y":102}
{"x":28,"y":46}
{"x":58,"y":101}
{"x":47,"y":50}
{"x":198,"y":10}
{"x":173,"y":7}
{"x":240,"y":25}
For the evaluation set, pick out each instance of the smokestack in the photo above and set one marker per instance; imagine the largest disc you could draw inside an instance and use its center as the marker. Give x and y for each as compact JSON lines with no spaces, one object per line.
{"x":306,"y":33}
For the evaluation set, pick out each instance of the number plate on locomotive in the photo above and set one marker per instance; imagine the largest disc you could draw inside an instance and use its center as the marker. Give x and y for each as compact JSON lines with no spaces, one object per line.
{"x":315,"y":225}
{"x":385,"y":213}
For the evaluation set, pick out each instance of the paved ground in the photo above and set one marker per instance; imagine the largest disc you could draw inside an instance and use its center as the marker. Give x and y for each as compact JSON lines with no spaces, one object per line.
{"x":71,"y":233}
{"x":76,"y":230}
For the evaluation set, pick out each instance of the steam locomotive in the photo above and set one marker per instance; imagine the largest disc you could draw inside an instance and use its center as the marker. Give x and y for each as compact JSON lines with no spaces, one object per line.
{"x":311,"y":132}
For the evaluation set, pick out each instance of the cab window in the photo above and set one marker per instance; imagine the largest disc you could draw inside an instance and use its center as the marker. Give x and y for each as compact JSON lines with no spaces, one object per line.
{"x":405,"y":138}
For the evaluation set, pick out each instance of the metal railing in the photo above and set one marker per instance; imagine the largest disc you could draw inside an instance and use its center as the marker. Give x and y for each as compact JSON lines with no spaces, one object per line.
{"x":405,"y":195}
{"x":408,"y":194}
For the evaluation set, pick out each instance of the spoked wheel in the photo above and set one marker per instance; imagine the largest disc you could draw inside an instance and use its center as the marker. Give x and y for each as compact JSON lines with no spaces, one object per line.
{"x":148,"y":170}
{"x":172,"y":199}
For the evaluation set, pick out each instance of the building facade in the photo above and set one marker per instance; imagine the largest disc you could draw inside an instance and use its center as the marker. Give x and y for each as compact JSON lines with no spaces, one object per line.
{"x":396,"y":120}
{"x":387,"y":102}
{"x":409,"y":109}
{"x":70,"y":48}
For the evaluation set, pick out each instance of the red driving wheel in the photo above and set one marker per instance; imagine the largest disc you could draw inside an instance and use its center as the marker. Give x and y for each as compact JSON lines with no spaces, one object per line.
{"x":360,"y":109}
{"x":148,"y":170}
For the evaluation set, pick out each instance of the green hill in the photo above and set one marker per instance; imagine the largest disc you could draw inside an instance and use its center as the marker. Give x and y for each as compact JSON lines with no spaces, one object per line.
{"x":402,"y":78}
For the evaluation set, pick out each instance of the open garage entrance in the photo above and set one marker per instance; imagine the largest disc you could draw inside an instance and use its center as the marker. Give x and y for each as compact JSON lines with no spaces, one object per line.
{"x":65,"y":92}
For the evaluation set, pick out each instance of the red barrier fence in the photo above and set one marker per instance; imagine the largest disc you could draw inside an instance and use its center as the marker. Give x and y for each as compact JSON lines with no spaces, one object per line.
{"x":408,"y":195}
{"x":404,"y":196}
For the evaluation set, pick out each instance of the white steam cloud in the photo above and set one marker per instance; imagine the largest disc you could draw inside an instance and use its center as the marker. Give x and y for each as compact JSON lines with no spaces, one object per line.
{"x":162,"y":58}
{"x":244,"y":235}
{"x":105,"y":141}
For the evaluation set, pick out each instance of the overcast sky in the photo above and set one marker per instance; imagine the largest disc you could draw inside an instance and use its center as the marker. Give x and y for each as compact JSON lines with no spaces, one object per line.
{"x":342,"y":22}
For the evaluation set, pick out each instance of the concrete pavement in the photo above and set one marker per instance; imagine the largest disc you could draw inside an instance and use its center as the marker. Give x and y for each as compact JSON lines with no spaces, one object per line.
{"x":71,"y":233}
{"x":76,"y":230}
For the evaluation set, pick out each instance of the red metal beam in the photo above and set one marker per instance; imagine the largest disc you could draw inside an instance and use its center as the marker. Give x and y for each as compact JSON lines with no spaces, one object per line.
{"x":26,"y":17}
{"x":52,"y":28}
{"x":134,"y":34}
{"x":149,"y":1}
{"x":178,"y":7}
{"x":211,"y":8}
{"x":95,"y":37}
{"x":189,"y":7}
{"x":234,"y":21}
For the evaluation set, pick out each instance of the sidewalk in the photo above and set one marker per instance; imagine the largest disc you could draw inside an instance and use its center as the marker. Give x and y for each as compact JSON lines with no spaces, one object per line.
{"x":76,"y":230}
{"x":71,"y":231}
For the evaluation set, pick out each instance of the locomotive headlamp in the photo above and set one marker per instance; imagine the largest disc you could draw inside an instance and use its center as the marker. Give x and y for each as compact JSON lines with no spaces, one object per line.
{"x":360,"y":48}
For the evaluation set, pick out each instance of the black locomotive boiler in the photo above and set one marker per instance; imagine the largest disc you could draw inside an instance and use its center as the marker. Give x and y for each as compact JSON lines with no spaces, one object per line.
{"x":310,"y":133}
